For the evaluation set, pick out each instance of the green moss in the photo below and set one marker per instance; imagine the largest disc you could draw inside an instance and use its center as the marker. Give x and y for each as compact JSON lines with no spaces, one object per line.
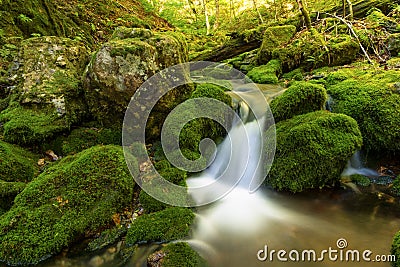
{"x":8,"y":191}
{"x":396,"y":186}
{"x":77,"y":194}
{"x":268,"y":73}
{"x":274,"y":37}
{"x":181,"y":254}
{"x":149,"y":203}
{"x":30,"y":127}
{"x":307,"y":52}
{"x":91,"y":21}
{"x":360,"y":179}
{"x":300,"y":98}
{"x":196,"y":130}
{"x":16,"y":164}
{"x":312,"y":150}
{"x":163,"y":226}
{"x":371,"y":101}
{"x":106,"y":238}
{"x":296,"y":75}
{"x":83,"y":138}
{"x":396,"y":249}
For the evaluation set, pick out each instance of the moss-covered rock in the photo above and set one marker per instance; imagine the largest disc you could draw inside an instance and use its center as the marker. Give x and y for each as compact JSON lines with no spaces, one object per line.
{"x":83,"y":138}
{"x":274,"y":37}
{"x":176,"y":254}
{"x":268,"y":73}
{"x":371,"y":99}
{"x":120,"y":67}
{"x":360,"y":179}
{"x":76,"y":195}
{"x":312,"y":150}
{"x":299,"y":98}
{"x":16,"y":164}
{"x":305,"y":51}
{"x":163,"y":226}
{"x":47,"y":98}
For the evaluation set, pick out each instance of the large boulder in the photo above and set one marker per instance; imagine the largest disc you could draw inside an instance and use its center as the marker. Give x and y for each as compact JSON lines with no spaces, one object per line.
{"x":312,"y":150}
{"x":17,"y":167}
{"x":370,"y":97}
{"x":299,"y":98}
{"x":274,"y":37}
{"x":121,"y":66}
{"x":47,"y":97}
{"x":77,"y":195}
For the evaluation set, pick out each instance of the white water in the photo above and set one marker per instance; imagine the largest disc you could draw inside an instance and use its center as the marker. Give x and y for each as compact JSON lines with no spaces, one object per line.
{"x":232,"y":230}
{"x":356,"y":166}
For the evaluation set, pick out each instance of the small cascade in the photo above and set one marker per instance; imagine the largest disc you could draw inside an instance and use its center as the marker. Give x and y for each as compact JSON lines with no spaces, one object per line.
{"x":356,"y":166}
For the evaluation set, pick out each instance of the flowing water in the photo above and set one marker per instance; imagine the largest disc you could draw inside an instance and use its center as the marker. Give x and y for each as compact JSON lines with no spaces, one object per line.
{"x":242,"y":228}
{"x":232,"y":231}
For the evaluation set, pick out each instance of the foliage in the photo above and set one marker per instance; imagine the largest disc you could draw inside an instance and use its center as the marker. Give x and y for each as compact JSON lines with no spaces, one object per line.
{"x":76,"y":195}
{"x":299,"y":98}
{"x":312,"y":150}
{"x":162,"y":226}
{"x":268,"y":73}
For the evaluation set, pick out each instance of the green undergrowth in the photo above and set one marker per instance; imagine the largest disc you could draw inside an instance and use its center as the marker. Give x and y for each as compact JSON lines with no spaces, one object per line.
{"x":76,"y":195}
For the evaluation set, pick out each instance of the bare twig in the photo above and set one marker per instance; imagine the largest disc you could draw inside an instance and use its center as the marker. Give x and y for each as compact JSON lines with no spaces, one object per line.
{"x":350,"y":26}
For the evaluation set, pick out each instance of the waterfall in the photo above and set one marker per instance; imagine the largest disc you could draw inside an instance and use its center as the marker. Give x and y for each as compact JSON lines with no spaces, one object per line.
{"x":356,"y":166}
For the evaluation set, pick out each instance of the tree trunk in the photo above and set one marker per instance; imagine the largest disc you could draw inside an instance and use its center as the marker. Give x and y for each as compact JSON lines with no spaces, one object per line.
{"x":206,"y":16}
{"x":258,"y":11}
{"x":216,"y":23}
{"x":306,"y":15}
{"x":232,"y":48}
{"x":351,"y":15}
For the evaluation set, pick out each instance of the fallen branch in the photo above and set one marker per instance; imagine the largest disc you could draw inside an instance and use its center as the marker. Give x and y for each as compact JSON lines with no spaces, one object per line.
{"x":348,"y":24}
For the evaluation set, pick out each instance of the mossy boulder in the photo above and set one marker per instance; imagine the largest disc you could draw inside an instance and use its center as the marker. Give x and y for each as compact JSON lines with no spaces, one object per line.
{"x":162,"y":226}
{"x":83,"y":138}
{"x":369,"y":97}
{"x":17,"y":167}
{"x":47,"y":98}
{"x":76,"y":195}
{"x":121,"y":66}
{"x":312,"y":150}
{"x":307,"y":52}
{"x":176,"y":254}
{"x":16,"y":164}
{"x":299,"y":98}
{"x":268,"y":73}
{"x":274,"y":37}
